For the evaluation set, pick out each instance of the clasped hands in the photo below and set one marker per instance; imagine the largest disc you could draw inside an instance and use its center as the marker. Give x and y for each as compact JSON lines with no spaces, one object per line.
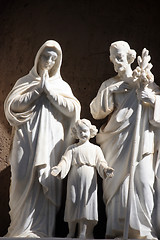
{"x":42,"y":85}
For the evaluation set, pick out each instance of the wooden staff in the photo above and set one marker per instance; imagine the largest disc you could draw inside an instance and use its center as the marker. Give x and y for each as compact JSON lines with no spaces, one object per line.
{"x":142,"y":76}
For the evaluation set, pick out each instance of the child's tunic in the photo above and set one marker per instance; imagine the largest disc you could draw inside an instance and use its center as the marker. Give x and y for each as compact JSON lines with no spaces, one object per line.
{"x":84,"y":160}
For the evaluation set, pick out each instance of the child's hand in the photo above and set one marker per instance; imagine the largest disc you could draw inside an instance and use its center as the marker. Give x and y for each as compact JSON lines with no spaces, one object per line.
{"x":109,"y":172}
{"x":56,"y":170}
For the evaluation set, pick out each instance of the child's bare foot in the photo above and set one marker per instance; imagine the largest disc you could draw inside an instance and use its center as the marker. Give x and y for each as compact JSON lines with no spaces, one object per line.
{"x":82,"y":236}
{"x":69,"y":235}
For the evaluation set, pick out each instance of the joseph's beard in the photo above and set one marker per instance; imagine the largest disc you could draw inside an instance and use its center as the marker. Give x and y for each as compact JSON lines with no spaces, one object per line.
{"x":120,"y":69}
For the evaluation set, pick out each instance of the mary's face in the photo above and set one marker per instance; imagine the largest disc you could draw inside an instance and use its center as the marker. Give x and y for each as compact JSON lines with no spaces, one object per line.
{"x":47,"y":60}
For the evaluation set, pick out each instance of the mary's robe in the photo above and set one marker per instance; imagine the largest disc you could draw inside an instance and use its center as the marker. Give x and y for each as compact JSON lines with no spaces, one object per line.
{"x":41,"y":123}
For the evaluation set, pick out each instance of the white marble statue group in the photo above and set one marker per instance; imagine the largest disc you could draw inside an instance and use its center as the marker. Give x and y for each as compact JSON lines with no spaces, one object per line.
{"x":45,"y":116}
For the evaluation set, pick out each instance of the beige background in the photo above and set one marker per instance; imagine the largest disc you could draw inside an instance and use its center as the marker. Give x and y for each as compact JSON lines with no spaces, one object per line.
{"x":85,"y":29}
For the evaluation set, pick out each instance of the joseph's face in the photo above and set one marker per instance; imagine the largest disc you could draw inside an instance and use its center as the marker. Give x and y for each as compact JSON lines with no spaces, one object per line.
{"x":119,"y":59}
{"x":47,"y":60}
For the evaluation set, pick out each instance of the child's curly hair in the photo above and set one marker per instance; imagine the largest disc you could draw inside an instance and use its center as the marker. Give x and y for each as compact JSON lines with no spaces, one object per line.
{"x":93,"y":129}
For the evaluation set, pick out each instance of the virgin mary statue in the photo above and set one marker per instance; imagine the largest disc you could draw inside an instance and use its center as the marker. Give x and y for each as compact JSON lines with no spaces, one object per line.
{"x":41,"y":108}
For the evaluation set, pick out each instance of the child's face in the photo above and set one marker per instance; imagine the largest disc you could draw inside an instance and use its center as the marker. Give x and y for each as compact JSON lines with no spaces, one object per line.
{"x":83,"y":132}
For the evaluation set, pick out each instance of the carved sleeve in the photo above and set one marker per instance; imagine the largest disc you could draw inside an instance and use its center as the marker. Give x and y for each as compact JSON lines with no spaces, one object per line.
{"x":64,"y":104}
{"x":103,"y":104}
{"x":65,"y":163}
{"x":24,"y":101}
{"x":101,"y":163}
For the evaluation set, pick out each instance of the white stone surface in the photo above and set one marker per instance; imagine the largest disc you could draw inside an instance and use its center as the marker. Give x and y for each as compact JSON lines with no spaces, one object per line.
{"x":80,"y":162}
{"x":122,"y":98}
{"x":42,"y":109}
{"x":50,"y":238}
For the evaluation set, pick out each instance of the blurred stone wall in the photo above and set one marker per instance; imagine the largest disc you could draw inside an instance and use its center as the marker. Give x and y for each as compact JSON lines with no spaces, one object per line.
{"x":85,"y":29}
